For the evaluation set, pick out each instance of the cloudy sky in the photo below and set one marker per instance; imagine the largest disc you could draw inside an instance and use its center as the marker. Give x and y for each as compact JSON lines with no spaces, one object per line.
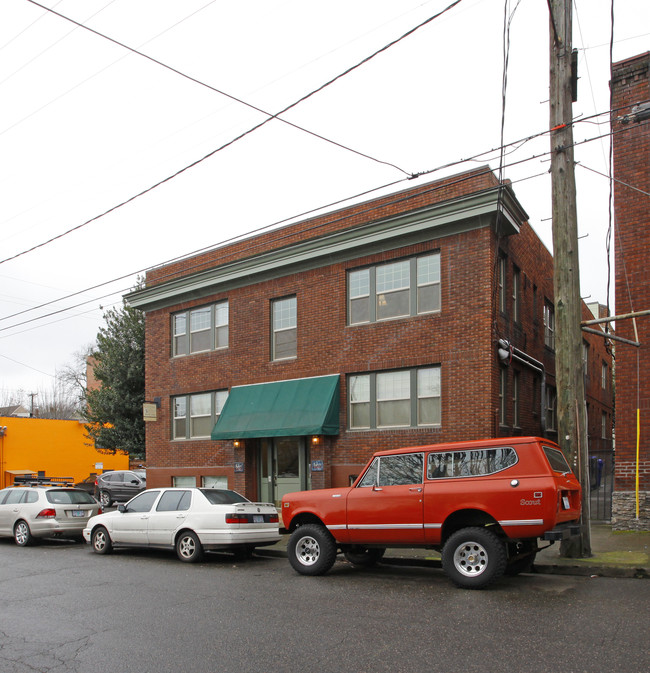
{"x":87,"y":124}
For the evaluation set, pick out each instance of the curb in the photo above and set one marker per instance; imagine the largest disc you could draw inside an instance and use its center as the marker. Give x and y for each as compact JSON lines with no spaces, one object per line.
{"x":617,"y":572}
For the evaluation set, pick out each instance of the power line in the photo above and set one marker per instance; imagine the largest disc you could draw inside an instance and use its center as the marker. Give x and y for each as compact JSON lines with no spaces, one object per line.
{"x":518,"y":143}
{"x":270,"y":115}
{"x":234,"y":140}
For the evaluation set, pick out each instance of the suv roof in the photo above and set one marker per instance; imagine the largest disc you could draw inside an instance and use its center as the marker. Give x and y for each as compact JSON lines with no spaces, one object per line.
{"x":475,"y":443}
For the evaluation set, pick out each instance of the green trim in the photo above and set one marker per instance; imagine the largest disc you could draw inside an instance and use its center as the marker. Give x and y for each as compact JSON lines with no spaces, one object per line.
{"x":442,"y":219}
{"x":281,"y":409}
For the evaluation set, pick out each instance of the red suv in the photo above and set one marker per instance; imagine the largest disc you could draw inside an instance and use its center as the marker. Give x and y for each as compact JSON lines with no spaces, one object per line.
{"x":483,"y":504}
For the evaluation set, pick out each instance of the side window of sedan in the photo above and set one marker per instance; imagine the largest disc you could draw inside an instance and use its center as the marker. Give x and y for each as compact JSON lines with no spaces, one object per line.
{"x":143,"y":502}
{"x":174,"y":501}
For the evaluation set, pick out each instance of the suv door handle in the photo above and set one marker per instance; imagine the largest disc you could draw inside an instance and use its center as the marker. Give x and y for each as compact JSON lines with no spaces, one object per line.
{"x":417,"y":489}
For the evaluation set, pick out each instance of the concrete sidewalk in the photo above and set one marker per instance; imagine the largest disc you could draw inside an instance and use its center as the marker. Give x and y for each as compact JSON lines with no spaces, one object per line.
{"x":615,"y":554}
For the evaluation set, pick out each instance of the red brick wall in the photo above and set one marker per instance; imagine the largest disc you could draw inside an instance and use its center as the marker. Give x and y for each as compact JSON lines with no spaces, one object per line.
{"x":632,"y":245}
{"x":461,"y":338}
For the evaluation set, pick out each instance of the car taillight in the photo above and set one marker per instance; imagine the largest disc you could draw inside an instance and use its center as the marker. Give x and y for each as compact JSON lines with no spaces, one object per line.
{"x":234,"y":517}
{"x":46,"y":514}
{"x":100,"y":511}
{"x":274,"y":518}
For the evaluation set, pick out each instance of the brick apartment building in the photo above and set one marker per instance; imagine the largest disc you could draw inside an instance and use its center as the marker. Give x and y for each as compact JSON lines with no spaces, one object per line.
{"x":631,"y":144}
{"x":282,"y":361}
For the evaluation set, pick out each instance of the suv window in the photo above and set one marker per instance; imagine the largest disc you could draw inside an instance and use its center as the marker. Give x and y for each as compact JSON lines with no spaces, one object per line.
{"x":475,"y":463}
{"x":398,"y":470}
{"x":172,"y":501}
{"x":556,"y":460}
{"x":143,"y":502}
{"x":113,"y":478}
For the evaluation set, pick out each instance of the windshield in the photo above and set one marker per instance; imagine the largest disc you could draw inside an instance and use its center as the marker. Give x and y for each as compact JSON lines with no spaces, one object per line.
{"x":69,"y":497}
{"x":219,"y":496}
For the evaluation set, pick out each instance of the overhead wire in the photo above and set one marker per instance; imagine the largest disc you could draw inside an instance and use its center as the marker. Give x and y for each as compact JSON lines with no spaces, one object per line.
{"x":241,"y":135}
{"x":259,"y":230}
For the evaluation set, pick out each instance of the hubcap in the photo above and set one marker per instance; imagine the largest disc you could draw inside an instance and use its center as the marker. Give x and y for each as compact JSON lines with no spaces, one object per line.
{"x":470,"y":559}
{"x":187,"y":547}
{"x":100,"y":541}
{"x":307,"y":550}
{"x":22,"y":533}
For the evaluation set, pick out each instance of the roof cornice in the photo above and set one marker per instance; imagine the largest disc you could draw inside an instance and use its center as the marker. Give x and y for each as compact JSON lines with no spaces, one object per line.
{"x":455,"y":216}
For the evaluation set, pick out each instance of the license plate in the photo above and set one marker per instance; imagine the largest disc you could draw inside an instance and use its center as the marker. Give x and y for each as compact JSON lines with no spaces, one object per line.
{"x":258,"y":518}
{"x":566,"y":503}
{"x":78,"y":512}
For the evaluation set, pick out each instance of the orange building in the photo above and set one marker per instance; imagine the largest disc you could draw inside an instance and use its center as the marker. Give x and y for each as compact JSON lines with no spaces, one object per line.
{"x":54,"y":448}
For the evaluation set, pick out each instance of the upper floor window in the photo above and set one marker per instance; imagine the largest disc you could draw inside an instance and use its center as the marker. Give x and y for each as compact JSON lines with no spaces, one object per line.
{"x":549,"y":325}
{"x":516,"y":294}
{"x":402,"y":398}
{"x":551,"y":406}
{"x":284,"y":328}
{"x":604,"y":375}
{"x":201,"y":329}
{"x":394,"y":290}
{"x":195,"y":415}
{"x":501,"y":281}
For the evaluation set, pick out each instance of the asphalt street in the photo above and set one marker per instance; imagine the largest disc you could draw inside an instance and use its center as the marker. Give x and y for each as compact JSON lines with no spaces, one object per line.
{"x":69,"y":610}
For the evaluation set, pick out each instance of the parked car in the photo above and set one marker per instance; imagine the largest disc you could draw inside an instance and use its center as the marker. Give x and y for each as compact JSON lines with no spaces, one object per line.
{"x":88,"y":484}
{"x":31,"y":512}
{"x":119,"y":486}
{"x":483,"y":504}
{"x":189,"y":520}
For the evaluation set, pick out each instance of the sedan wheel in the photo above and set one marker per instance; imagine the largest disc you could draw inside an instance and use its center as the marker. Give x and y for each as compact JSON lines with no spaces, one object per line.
{"x":188,"y":547}
{"x":101,"y":541}
{"x":22,"y":535}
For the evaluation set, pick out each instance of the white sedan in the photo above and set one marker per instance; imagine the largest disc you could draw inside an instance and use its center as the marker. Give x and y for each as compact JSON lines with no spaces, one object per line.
{"x":189,"y":520}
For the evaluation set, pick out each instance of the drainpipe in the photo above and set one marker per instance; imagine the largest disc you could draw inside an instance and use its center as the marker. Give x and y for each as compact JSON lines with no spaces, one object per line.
{"x":507,"y":352}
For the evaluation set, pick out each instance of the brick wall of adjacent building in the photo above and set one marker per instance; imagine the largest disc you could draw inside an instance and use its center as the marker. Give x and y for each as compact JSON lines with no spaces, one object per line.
{"x":632,"y":245}
{"x":461,"y":338}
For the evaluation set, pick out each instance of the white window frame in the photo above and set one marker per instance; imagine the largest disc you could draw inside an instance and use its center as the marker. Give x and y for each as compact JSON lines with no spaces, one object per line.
{"x":217,"y":400}
{"x":373,"y":401}
{"x":284,"y":323}
{"x":217,"y":325}
{"x":374,"y":292}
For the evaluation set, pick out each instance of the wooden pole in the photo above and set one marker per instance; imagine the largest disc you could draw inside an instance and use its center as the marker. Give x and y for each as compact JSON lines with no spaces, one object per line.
{"x":571,"y":406}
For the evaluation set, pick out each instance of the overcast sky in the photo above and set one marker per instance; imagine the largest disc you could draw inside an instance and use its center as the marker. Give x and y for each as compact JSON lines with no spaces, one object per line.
{"x":86,"y":124}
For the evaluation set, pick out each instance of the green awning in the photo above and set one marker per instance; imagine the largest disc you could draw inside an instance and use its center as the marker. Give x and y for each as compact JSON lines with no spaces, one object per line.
{"x":281,"y":409}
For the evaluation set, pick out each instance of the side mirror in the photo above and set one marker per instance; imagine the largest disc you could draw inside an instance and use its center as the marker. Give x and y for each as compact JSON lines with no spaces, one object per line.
{"x":121,"y":508}
{"x":135,"y":481}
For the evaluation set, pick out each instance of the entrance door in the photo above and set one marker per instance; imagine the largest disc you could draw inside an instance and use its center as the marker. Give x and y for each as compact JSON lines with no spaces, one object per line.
{"x":283,"y":467}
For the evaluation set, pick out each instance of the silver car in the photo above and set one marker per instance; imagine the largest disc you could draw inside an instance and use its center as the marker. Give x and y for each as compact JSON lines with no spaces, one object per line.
{"x":189,"y":520}
{"x":31,"y":512}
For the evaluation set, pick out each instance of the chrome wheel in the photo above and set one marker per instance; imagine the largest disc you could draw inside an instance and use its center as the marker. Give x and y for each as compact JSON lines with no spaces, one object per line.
{"x":105,"y":498}
{"x":188,"y":547}
{"x":307,"y":550}
{"x":101,"y":542}
{"x":474,"y":557}
{"x":22,"y":534}
{"x":470,"y":559}
{"x":311,"y":549}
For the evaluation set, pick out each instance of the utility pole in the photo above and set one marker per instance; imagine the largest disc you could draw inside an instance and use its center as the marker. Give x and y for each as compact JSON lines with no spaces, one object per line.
{"x":571,"y":407}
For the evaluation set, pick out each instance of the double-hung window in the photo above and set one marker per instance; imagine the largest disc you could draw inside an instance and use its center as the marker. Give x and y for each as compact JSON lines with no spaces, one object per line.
{"x":284,"y":327}
{"x":400,"y":289}
{"x":549,"y":325}
{"x":395,"y":399}
{"x":201,"y":329}
{"x":195,"y":415}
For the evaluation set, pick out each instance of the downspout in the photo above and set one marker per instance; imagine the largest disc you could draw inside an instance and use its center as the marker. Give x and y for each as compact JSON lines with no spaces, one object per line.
{"x":513,"y":353}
